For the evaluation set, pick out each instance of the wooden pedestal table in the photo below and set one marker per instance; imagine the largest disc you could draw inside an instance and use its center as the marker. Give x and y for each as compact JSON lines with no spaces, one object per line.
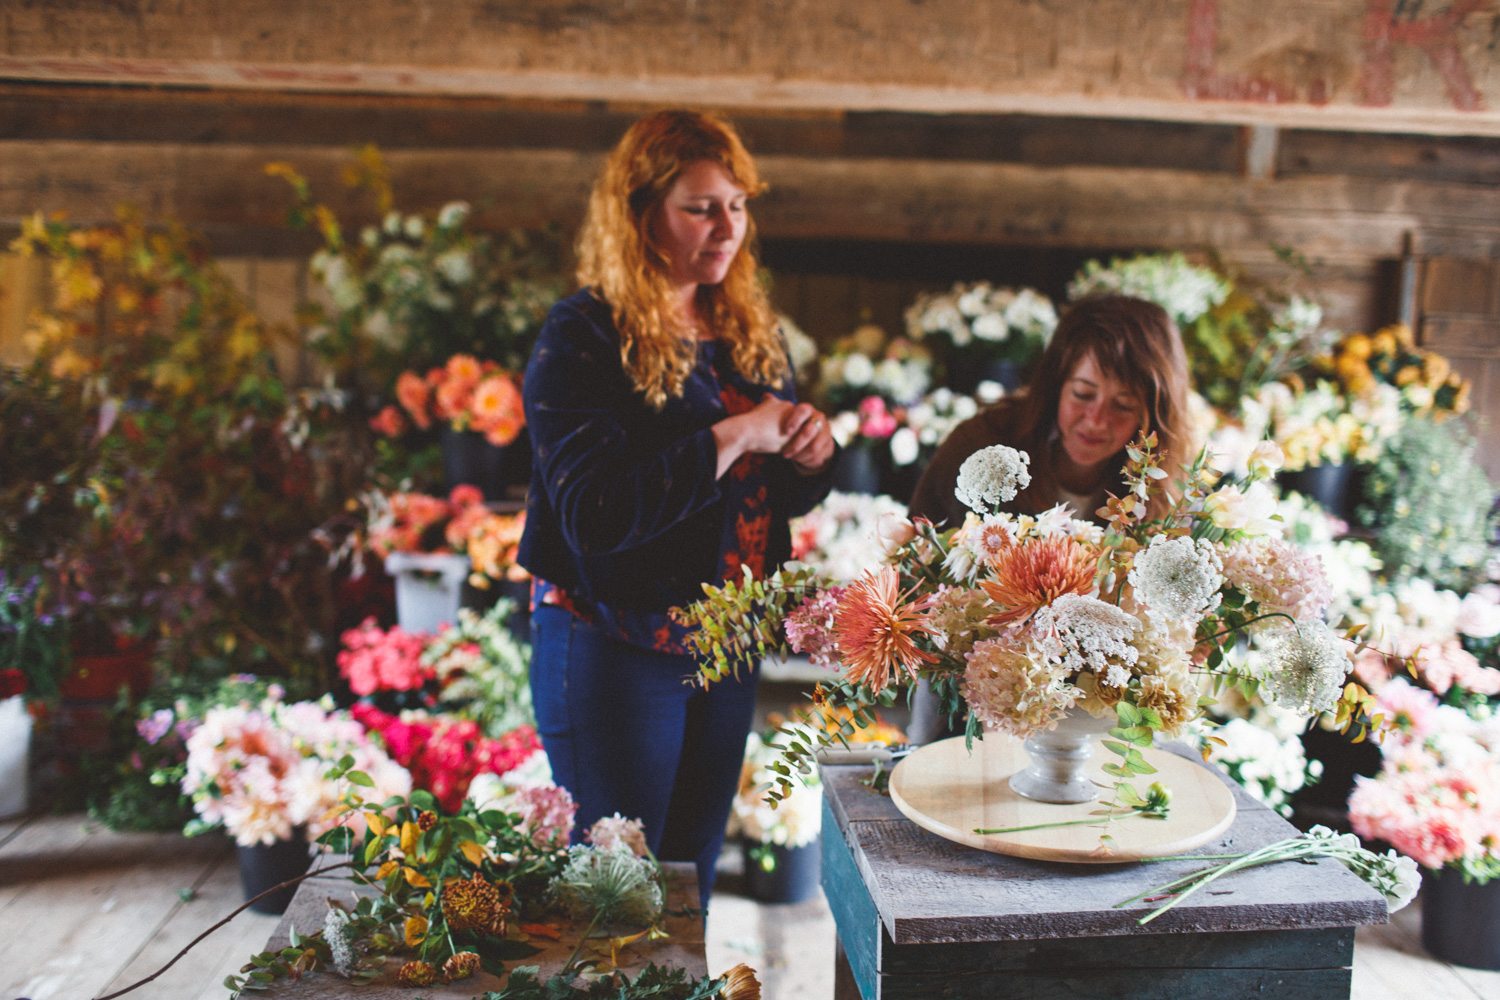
{"x":920,"y":916}
{"x":683,"y":947}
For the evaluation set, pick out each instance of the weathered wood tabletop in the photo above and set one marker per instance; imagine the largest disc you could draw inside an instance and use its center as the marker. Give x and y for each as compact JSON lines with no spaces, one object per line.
{"x":921,"y":916}
{"x":683,"y":947}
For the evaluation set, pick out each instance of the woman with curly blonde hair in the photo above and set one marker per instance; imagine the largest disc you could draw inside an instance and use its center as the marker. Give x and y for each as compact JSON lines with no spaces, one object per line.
{"x":668,"y":452}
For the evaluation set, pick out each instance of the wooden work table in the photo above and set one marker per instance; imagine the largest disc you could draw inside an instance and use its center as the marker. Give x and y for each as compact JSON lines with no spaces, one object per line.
{"x":683,"y":947}
{"x":919,"y":916}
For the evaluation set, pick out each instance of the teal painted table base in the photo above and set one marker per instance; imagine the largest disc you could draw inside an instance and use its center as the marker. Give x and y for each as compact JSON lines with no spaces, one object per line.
{"x":921,"y":917}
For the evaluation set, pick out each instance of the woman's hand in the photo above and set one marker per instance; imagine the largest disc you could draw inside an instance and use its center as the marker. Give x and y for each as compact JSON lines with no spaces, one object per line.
{"x":760,"y":430}
{"x":809,"y":442}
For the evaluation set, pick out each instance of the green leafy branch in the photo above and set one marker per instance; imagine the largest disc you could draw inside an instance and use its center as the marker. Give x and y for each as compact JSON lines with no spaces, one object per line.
{"x":740,"y":623}
{"x":654,"y":982}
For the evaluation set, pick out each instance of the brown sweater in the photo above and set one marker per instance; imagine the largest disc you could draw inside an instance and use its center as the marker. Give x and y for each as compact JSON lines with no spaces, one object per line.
{"x":933,"y":497}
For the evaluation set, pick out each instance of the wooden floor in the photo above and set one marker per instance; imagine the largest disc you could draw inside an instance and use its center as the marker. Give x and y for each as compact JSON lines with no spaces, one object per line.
{"x":85,"y":911}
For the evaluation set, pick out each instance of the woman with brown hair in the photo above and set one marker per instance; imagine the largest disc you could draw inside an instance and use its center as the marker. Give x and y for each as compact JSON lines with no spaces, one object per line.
{"x":668,"y":452}
{"x":1115,"y":367}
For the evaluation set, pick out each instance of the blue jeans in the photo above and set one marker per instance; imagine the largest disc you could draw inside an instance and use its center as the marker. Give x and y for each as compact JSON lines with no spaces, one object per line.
{"x":625,"y":733}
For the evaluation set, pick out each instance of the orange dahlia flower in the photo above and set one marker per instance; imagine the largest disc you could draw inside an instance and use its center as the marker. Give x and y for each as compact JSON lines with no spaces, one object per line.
{"x":876,"y":629}
{"x":1026,"y":576}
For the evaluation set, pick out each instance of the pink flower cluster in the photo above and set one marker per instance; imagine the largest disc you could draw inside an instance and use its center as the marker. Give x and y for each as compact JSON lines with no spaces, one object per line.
{"x":809,"y":628}
{"x":259,"y":771}
{"x":875,"y":421}
{"x":1279,"y":576}
{"x":443,"y":753}
{"x":1437,"y":796}
{"x":373,"y":660}
{"x":1441,"y":666}
{"x":547,"y":811}
{"x":616,"y":833}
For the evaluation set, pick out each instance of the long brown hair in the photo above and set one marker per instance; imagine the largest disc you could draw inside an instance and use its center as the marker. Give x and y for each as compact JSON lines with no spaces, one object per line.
{"x":616,"y":256}
{"x":1133,"y":341}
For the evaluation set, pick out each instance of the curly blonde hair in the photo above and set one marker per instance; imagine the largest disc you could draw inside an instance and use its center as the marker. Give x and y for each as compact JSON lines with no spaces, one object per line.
{"x":616,"y":256}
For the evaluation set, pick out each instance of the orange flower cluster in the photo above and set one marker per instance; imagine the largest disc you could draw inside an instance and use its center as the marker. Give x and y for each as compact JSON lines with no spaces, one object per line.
{"x":466,"y":393}
{"x":876,"y":627}
{"x":1031,"y":574}
{"x":1391,"y":355}
{"x":417,"y":522}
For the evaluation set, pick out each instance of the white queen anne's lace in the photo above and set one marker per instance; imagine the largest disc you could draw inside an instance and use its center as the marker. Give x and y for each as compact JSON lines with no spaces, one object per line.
{"x":992,"y":476}
{"x":1177,"y":579}
{"x":1084,"y":633}
{"x":1308,"y":665}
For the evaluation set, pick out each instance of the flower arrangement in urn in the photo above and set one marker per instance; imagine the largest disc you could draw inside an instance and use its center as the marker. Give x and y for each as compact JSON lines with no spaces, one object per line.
{"x":461,"y":523}
{"x":1022,"y":620}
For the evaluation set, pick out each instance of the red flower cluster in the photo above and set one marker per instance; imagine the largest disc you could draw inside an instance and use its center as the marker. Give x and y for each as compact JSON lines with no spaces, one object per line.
{"x":12,"y":682}
{"x":445,"y":754}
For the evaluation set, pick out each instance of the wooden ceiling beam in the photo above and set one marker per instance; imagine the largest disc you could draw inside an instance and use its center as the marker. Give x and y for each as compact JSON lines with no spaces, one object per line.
{"x":1363,"y":65}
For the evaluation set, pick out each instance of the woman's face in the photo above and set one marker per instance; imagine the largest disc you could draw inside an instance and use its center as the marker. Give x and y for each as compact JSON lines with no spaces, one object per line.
{"x":700,"y":224}
{"x":1097,"y":415}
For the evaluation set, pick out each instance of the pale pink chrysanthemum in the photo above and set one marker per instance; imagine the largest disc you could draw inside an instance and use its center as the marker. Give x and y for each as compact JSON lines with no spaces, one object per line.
{"x":876,"y":628}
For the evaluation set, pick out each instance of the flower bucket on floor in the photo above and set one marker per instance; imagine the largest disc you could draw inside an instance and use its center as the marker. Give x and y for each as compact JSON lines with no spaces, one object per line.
{"x":263,"y":866}
{"x":15,"y":756}
{"x":1461,"y":920}
{"x":775,"y":873}
{"x":429,"y":588}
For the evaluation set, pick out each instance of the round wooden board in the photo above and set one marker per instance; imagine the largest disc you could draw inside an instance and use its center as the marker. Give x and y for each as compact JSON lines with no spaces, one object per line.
{"x":944,"y":789}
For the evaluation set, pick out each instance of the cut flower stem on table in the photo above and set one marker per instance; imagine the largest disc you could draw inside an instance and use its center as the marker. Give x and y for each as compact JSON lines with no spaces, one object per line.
{"x":1390,"y":874}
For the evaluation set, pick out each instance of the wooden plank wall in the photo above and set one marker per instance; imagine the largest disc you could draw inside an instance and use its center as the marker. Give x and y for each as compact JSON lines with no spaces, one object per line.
{"x":907,"y":145}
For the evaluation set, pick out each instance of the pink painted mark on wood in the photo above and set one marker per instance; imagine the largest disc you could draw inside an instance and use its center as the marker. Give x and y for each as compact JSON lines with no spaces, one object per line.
{"x":1388,"y":24}
{"x":1202,"y":80}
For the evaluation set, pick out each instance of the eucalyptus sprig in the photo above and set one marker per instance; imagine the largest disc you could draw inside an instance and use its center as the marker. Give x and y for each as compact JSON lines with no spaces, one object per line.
{"x":1127,"y":802}
{"x":740,"y":623}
